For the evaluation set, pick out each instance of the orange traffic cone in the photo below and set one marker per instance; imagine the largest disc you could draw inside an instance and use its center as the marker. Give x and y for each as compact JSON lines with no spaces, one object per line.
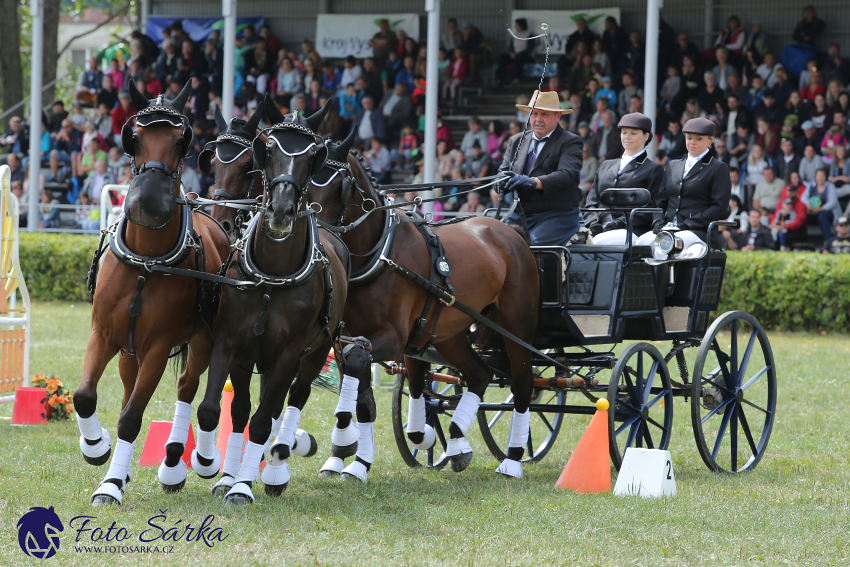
{"x":153,"y":452}
{"x":589,"y":470}
{"x":225,"y":424}
{"x":29,"y":408}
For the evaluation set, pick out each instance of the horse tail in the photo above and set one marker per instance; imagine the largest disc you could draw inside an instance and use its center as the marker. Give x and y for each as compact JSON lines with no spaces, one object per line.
{"x":179,"y":357}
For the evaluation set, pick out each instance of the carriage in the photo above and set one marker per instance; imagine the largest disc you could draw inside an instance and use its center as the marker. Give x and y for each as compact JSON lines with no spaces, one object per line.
{"x":595,"y":296}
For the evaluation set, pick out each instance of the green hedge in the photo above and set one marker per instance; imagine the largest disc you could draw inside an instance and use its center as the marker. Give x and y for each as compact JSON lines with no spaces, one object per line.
{"x":800,"y":291}
{"x":785,"y":291}
{"x":55,"y":264}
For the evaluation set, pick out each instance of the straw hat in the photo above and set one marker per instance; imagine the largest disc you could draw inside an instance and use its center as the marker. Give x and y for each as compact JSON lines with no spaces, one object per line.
{"x":544,"y":101}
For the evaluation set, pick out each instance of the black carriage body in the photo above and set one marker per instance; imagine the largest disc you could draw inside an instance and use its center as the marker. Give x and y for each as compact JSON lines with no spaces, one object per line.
{"x":594,"y":295}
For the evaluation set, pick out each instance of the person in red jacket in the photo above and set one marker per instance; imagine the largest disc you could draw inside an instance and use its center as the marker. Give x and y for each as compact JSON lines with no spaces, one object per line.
{"x":789,"y":221}
{"x":445,"y":133}
{"x":120,"y":114}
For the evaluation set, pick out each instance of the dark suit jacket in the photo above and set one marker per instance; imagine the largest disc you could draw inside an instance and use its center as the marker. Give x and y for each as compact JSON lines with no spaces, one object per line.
{"x":557,"y":167}
{"x":783,"y":169}
{"x":641,"y":172}
{"x":695,"y":200}
{"x":615,"y":147}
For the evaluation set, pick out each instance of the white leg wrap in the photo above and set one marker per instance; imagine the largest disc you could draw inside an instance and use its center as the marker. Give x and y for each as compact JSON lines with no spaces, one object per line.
{"x":510,"y":468}
{"x":519,"y":429}
{"x":273,"y":433}
{"x":303,"y":443}
{"x":458,"y":446}
{"x":347,"y":436}
{"x":347,"y":395}
{"x":206,"y":448}
{"x":109,"y":489}
{"x":428,"y":440}
{"x":467,"y":409}
{"x":242,"y":488}
{"x":90,"y":429}
{"x":172,"y":476}
{"x":180,"y":426}
{"x":333,"y":464}
{"x":122,"y":461}
{"x":233,"y":455}
{"x":366,"y":442}
{"x":416,"y":415}
{"x":250,"y":463}
{"x":291,"y":419}
{"x":275,"y":475}
{"x":357,"y":470}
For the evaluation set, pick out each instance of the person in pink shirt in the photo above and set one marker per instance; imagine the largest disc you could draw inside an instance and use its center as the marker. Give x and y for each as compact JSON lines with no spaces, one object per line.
{"x":116,"y":73}
{"x":495,"y":139}
{"x":457,"y":75}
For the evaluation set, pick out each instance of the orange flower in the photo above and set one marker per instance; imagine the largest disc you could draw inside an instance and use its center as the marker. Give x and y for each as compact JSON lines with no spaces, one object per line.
{"x":51,"y":401}
{"x":52,"y":385}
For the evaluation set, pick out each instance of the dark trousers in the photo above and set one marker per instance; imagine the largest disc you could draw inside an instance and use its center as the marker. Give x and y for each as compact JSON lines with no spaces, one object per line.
{"x":553,"y":228}
{"x":824,"y":220}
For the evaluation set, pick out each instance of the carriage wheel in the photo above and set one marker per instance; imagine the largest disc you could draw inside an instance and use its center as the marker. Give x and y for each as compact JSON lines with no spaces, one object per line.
{"x":495,"y":427}
{"x":641,"y":400}
{"x":734,"y":393}
{"x":436,"y":418}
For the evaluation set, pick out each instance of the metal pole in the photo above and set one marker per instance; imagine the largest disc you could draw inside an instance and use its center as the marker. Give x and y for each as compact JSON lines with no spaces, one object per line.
{"x":431,"y":90}
{"x":650,"y":83}
{"x":146,"y":8}
{"x":37,"y":12}
{"x":228,"y":10}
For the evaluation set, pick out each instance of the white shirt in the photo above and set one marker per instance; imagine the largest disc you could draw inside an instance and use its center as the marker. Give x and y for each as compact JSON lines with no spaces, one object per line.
{"x":626,"y":160}
{"x":691,"y":161}
{"x":365,"y":131}
{"x":541,"y":142}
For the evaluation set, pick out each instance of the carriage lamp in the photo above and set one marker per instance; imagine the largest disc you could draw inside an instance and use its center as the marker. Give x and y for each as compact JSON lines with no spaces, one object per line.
{"x":665,"y":242}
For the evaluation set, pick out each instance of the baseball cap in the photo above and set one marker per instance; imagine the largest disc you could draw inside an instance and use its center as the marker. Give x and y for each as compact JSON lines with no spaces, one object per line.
{"x":807,"y":124}
{"x":842,"y":220}
{"x":788,"y":202}
{"x":606,"y":79}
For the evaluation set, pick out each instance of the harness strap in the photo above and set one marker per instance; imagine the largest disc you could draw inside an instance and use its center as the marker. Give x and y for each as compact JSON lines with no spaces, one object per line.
{"x":135,"y":309}
{"x":91,"y":276}
{"x":259,"y":329}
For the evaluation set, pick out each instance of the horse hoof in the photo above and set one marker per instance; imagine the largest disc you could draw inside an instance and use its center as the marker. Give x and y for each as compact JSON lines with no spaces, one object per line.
{"x":98,"y":461}
{"x":104,"y":500}
{"x":348,"y":477}
{"x":275,"y":489}
{"x":173,"y":487}
{"x":328,"y":474}
{"x":460,"y":462}
{"x":343,"y":452}
{"x":220,"y":490}
{"x":237,"y":499}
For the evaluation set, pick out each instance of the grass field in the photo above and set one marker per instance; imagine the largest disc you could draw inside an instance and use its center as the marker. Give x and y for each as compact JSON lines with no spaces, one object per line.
{"x":792,"y":510}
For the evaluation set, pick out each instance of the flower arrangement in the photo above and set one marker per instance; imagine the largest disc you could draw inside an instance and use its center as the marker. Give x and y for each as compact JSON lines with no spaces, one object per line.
{"x":59,"y":401}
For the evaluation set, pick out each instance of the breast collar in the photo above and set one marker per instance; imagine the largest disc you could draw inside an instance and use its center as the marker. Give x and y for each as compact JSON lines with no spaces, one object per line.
{"x":188,"y":241}
{"x":315,"y":255}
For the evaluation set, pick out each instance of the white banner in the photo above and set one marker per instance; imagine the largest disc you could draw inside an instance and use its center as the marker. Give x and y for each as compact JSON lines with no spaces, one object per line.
{"x":341,"y":35}
{"x":562,"y":23}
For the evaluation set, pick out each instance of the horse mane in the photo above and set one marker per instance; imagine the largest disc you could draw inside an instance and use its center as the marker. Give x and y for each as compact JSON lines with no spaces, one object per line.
{"x":363,"y":176}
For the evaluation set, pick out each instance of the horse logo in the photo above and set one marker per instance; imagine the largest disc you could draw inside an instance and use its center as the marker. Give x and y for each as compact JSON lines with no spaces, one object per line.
{"x":38,"y":532}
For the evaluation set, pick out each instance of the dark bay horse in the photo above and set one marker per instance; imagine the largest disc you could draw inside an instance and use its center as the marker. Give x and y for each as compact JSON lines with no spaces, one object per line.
{"x":287,"y":323}
{"x":492,"y":271}
{"x":142,"y":312}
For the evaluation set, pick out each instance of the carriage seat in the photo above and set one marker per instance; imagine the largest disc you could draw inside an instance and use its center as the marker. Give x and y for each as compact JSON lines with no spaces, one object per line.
{"x":625,"y":198}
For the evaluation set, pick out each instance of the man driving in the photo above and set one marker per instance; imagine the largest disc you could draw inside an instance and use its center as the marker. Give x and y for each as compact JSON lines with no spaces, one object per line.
{"x":543,"y":163}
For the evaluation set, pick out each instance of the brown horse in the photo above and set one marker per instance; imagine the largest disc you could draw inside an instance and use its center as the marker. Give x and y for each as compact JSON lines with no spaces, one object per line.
{"x":492,"y":271}
{"x":284,"y":321}
{"x":139,"y":310}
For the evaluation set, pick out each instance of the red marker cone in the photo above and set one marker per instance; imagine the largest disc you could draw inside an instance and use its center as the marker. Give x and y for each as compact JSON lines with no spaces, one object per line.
{"x":153,"y":452}
{"x":30,"y":408}
{"x":589,"y":467}
{"x":225,"y":424}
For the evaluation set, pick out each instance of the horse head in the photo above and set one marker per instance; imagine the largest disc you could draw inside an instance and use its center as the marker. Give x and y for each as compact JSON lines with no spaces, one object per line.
{"x":332,"y":186}
{"x":289,"y":158}
{"x":159,"y":142}
{"x":230,"y":160}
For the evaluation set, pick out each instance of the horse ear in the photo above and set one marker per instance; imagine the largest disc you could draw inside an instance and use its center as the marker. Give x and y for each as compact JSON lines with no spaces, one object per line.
{"x":319,"y":160}
{"x":139,"y":100}
{"x":318,"y":117}
{"x":273,"y":114}
{"x":346,"y":144}
{"x":259,"y":149}
{"x":181,"y":99}
{"x":220,"y":122}
{"x":254,"y":121}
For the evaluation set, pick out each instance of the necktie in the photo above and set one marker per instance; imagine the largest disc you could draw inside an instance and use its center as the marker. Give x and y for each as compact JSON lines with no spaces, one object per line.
{"x":529,"y":160}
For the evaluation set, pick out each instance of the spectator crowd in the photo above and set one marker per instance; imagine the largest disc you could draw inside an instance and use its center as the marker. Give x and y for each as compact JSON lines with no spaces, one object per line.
{"x":783,"y":135}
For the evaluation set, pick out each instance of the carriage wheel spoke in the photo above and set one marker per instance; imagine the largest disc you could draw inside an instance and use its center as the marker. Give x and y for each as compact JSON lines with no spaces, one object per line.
{"x":656,"y":424}
{"x":639,"y":437}
{"x":733,"y":350}
{"x":647,"y":389}
{"x":722,"y":431}
{"x":749,"y":403}
{"x":656,"y":398}
{"x":546,"y":421}
{"x":403,"y":393}
{"x":742,"y":370}
{"x":414,"y":452}
{"x":496,"y":418}
{"x":630,"y":386}
{"x":627,"y":423}
{"x":530,"y":445}
{"x":431,"y":457}
{"x":631,"y":438}
{"x":733,"y":438}
{"x":715,"y":384}
{"x":719,"y":407}
{"x":648,"y":437}
{"x":746,"y":427}
{"x":639,"y":377}
{"x":439,"y":429}
{"x":722,"y":358}
{"x":758,"y":375}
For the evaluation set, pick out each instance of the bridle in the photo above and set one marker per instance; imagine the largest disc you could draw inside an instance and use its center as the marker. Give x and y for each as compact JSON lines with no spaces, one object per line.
{"x":343,"y":169}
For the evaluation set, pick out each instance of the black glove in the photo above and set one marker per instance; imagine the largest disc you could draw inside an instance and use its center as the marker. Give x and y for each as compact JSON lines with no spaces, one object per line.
{"x":355,"y":357}
{"x":595,"y":228}
{"x":522,"y":183}
{"x":657,"y":226}
{"x":614,"y":224}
